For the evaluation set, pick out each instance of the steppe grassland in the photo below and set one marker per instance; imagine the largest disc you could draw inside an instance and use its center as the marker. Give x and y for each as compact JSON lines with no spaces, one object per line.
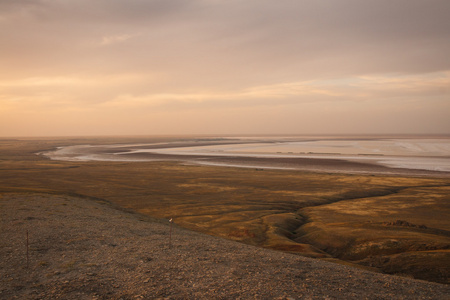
{"x":314,"y":214}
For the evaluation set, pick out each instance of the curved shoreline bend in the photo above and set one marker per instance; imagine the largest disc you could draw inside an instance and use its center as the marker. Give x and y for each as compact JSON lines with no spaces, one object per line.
{"x":240,"y":154}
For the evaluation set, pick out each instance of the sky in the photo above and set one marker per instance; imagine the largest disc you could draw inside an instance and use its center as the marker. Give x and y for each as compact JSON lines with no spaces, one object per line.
{"x":158,"y":67}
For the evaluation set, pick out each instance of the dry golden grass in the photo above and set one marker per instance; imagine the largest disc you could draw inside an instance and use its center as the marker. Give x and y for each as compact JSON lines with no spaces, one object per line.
{"x":315,"y":214}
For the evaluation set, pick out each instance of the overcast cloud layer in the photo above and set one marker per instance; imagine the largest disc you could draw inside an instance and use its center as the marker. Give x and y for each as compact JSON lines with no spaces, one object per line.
{"x":77,"y":67}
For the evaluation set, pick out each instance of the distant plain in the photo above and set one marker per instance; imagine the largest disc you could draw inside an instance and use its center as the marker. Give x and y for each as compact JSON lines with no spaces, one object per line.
{"x":391,"y":220}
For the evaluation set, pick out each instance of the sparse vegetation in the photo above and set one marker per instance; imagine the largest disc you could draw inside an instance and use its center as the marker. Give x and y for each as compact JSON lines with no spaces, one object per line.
{"x":330,"y":216}
{"x":126,"y":258}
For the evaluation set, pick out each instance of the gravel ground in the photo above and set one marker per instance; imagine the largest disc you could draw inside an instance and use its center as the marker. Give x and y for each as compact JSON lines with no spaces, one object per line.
{"x":80,"y":248}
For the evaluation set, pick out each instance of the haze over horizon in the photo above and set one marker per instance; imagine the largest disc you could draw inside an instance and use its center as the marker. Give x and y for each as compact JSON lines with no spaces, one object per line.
{"x":154,"y":67}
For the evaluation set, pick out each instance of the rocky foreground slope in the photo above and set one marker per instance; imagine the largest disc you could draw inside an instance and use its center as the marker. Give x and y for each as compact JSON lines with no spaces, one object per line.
{"x":85,"y":249}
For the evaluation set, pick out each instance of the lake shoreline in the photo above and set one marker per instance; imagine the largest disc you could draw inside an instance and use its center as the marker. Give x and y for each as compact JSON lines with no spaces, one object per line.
{"x":199,"y":152}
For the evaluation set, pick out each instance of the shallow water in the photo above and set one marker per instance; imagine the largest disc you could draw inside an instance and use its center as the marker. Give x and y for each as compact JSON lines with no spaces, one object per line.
{"x":420,"y":154}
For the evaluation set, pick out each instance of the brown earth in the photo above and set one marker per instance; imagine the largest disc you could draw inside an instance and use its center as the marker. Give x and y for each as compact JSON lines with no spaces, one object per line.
{"x":81,"y":248}
{"x":344,"y":218}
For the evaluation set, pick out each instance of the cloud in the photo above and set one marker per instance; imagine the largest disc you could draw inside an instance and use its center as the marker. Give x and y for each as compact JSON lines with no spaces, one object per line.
{"x":115,"y":39}
{"x":396,"y":89}
{"x":228,"y":44}
{"x":168,"y":57}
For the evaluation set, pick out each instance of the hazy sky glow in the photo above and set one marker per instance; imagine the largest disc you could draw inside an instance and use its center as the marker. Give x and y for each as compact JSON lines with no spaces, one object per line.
{"x":94,"y":67}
